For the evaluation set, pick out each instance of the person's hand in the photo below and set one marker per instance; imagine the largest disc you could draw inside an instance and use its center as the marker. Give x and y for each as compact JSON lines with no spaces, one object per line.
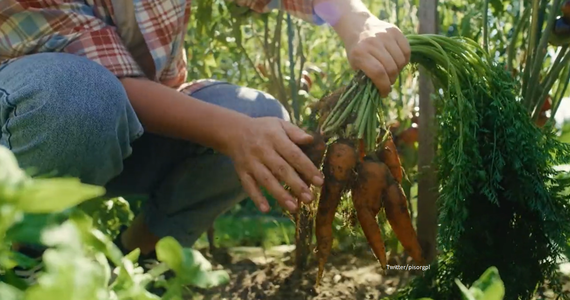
{"x":377,"y":48}
{"x":380,"y":50}
{"x":265,"y":151}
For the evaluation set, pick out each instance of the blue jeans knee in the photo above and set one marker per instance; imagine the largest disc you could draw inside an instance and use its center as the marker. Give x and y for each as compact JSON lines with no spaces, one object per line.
{"x":65,"y":115}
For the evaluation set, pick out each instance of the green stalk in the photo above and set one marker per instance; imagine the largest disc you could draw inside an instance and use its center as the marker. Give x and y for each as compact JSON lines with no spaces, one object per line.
{"x":292,"y":82}
{"x":539,"y":54}
{"x":549,"y":82}
{"x":565,"y":79}
{"x":335,"y":113}
{"x":361,"y":126}
{"x":486,"y":26}
{"x":362,"y":107}
{"x":341,"y":118}
{"x":530,"y":48}
{"x":523,"y":21}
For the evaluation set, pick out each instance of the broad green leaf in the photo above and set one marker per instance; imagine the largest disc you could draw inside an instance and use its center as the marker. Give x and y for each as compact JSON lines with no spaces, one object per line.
{"x":55,"y":194}
{"x":168,"y":250}
{"x":23,"y":260}
{"x":8,"y":292}
{"x":210,"y":279}
{"x":489,"y":286}
{"x":29,"y":229}
{"x":134,"y":255}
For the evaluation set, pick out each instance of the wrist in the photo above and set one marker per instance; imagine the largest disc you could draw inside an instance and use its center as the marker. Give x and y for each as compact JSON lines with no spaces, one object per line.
{"x":346,"y":17}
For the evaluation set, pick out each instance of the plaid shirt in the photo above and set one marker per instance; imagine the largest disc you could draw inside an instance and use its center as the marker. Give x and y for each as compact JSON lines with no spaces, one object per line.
{"x":86,"y":28}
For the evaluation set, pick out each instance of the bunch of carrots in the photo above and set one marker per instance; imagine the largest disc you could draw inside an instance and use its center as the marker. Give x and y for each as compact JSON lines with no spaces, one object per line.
{"x":362,"y":157}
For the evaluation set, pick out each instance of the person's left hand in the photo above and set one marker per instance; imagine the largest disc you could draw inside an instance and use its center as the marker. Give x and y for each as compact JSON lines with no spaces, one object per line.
{"x":377,"y":48}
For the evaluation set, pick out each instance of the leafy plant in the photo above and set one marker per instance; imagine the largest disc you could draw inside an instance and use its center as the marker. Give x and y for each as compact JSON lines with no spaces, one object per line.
{"x":488,"y":287}
{"x":78,"y":258}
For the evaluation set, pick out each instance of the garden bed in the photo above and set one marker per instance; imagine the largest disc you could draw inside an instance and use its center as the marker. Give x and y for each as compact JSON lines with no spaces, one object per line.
{"x":258,"y":274}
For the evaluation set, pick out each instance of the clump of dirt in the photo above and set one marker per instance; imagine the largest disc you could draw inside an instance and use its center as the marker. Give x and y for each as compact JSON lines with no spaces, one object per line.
{"x":258,"y":274}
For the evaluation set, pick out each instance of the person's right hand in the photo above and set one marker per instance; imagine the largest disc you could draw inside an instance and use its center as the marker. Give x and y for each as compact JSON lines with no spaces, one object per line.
{"x":265,"y":152}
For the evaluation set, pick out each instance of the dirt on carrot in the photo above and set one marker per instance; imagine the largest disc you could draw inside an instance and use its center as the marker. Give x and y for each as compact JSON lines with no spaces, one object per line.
{"x":326,"y":104}
{"x":338,"y":169}
{"x":367,"y":192}
{"x":316,"y":150}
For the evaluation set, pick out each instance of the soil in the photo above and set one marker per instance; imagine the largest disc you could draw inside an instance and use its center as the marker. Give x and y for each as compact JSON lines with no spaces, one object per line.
{"x":258,"y":274}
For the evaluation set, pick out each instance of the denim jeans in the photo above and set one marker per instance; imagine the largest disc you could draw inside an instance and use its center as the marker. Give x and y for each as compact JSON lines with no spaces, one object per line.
{"x":67,"y":116}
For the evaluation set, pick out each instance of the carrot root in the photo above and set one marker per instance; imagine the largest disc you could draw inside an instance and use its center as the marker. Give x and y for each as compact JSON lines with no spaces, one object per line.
{"x":396,"y":207}
{"x":367,"y":200}
{"x":338,"y":169}
{"x":388,"y":154}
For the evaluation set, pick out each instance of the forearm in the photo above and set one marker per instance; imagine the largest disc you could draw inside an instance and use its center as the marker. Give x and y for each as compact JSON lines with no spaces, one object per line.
{"x":163,"y":110}
{"x":344,"y":16}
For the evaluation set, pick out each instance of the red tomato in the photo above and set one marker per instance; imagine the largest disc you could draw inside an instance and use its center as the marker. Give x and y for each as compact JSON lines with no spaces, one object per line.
{"x":409,"y":136}
{"x":547,"y":104}
{"x":542,"y":118}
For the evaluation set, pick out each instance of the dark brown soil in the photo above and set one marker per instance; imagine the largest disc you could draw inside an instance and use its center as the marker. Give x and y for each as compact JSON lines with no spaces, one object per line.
{"x":256,"y":274}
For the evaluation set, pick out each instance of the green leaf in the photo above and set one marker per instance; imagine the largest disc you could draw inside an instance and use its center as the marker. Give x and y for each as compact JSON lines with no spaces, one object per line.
{"x":11,"y":176}
{"x":190,"y":266}
{"x":23,"y":260}
{"x":168,"y":250}
{"x":8,"y":292}
{"x":467,"y":295}
{"x":55,"y":195}
{"x":489,"y":286}
{"x":29,"y":229}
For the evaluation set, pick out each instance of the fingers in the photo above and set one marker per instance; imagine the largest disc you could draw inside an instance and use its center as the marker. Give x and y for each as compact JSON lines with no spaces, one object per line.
{"x":296,"y":134}
{"x":398,"y":56}
{"x":265,"y":178}
{"x":252,"y":189}
{"x":377,"y":73}
{"x":404,"y":45}
{"x":285,"y":173}
{"x":388,"y":61}
{"x":295,"y":157}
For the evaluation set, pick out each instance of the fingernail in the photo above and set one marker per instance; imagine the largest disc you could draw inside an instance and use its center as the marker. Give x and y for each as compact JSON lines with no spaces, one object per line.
{"x":307,"y":197}
{"x":291,"y":205}
{"x":318,"y":180}
{"x":263,"y":207}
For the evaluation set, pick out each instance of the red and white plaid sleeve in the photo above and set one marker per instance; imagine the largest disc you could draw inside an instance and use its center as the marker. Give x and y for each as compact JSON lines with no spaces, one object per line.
{"x":62,"y":26}
{"x":105,"y":47}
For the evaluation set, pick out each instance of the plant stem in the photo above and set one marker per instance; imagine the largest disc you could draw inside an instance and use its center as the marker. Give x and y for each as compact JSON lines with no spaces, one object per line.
{"x":486,"y":26}
{"x":551,"y":79}
{"x":539,"y":54}
{"x":565,"y":81}
{"x":292,"y":81}
{"x":512,"y":48}
{"x":530,"y":48}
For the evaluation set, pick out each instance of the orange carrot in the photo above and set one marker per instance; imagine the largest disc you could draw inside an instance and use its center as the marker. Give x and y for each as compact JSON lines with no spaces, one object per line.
{"x":396,"y":207}
{"x":361,"y":150}
{"x":338,"y":169}
{"x":388,"y":154}
{"x":316,"y":150}
{"x":367,"y":200}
